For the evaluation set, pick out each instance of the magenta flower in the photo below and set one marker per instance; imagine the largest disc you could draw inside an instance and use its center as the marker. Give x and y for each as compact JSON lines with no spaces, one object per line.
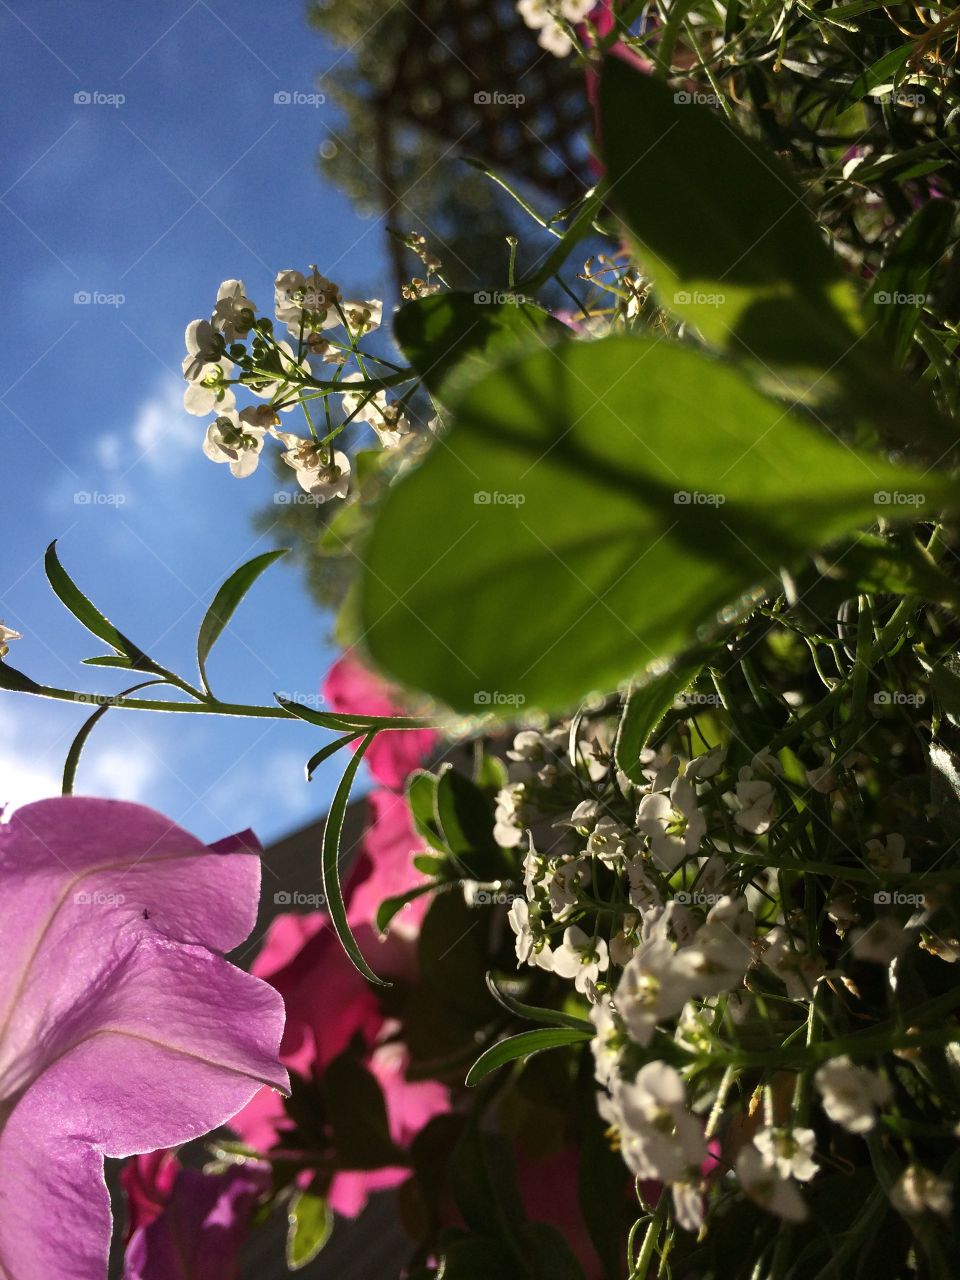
{"x":390,"y":844}
{"x":197,"y":1222}
{"x":328,"y":1005}
{"x":122,"y":1027}
{"x":349,"y":686}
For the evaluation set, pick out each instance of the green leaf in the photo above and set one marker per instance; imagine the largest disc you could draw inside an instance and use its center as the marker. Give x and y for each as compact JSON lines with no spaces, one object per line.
{"x":317,"y":759}
{"x":453,"y":338}
{"x":421,"y":790}
{"x":654,"y":492}
{"x":310,"y":1225}
{"x":732,"y":248}
{"x":331,"y":864}
{"x":357,"y":1114}
{"x":16,"y":682}
{"x":647,"y":704}
{"x":345,"y":723}
{"x":898,"y":293}
{"x":225,"y":603}
{"x":108,"y":660}
{"x":391,"y":906}
{"x":533,"y":1013}
{"x":885,"y":70}
{"x":522,"y":1046}
{"x":80,"y":741}
{"x":719,"y":221}
{"x":90,"y":616}
{"x":465,"y":818}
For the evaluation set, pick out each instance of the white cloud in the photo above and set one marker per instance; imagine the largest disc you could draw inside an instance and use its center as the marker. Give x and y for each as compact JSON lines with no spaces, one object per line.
{"x":161,"y":434}
{"x":35,"y":772}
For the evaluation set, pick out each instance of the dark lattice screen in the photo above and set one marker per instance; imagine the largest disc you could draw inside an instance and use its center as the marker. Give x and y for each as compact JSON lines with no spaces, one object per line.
{"x":462,"y":66}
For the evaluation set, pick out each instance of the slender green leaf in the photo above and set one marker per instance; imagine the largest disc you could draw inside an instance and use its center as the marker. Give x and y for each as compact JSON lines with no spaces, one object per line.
{"x":421,"y":789}
{"x":316,"y":760}
{"x":898,"y":294}
{"x":524,"y":1045}
{"x":647,"y":704}
{"x":80,"y":741}
{"x":391,"y":906}
{"x":348,"y":723}
{"x":310,"y":1224}
{"x":331,"y":864}
{"x":90,"y":616}
{"x":655,"y":494}
{"x":533,"y":1013}
{"x":225,"y":603}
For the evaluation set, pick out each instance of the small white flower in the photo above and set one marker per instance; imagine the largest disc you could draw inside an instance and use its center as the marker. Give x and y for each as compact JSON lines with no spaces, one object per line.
{"x":643,"y":893}
{"x":607,"y":1042}
{"x":387,"y":420}
{"x":205,"y":345}
{"x":322,"y":473}
{"x":206,"y":370}
{"x":7,"y":634}
{"x":234,"y":313}
{"x":508,"y":827}
{"x":363,"y":317}
{"x":791,"y":1150}
{"x":610,"y":841}
{"x":564,"y":882}
{"x":917,"y":1190}
{"x":674,"y":824}
{"x":531,"y":947}
{"x":659,"y":1137}
{"x":580,"y":957}
{"x":765,"y":1184}
{"x":850,"y":1094}
{"x":655,"y":984}
{"x":799,"y":972}
{"x":688,"y":1203}
{"x":707,"y":765}
{"x":887,"y":855}
{"x":720,"y":953}
{"x":236,"y":440}
{"x":307,"y":301}
{"x":882,"y":941}
{"x":754,"y":803}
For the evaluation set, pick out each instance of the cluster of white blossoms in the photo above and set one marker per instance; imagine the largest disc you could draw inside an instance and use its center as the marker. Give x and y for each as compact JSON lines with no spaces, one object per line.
{"x":635,"y":893}
{"x":552,"y":20}
{"x":235,"y":348}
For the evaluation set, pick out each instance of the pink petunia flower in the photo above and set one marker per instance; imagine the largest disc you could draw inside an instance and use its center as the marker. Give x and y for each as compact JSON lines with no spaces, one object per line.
{"x":350,"y":687}
{"x":122,"y":1027}
{"x":201,"y":1220}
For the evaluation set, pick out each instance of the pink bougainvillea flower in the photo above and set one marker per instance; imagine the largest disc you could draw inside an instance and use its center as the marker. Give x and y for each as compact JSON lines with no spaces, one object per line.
{"x":390,"y":843}
{"x":350,"y":687}
{"x":122,"y":1027}
{"x":329,"y":1005}
{"x":200,"y":1220}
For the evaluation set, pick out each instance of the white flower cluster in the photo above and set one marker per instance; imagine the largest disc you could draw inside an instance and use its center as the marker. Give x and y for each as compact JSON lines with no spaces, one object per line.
{"x":218,"y":360}
{"x":634,"y":893}
{"x":552,"y":20}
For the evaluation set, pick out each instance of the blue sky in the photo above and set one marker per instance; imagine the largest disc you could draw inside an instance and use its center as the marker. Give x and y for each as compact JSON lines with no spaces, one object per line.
{"x":175,"y":169}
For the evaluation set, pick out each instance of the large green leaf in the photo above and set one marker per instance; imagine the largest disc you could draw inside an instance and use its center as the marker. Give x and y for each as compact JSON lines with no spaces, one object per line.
{"x":453,"y":338}
{"x":722,"y":228}
{"x":309,"y":1226}
{"x":522,"y":1045}
{"x":597,"y":508}
{"x":719,"y":220}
